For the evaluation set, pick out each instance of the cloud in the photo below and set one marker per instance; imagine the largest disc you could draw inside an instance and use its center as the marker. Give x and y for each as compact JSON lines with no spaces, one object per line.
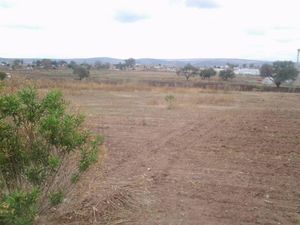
{"x":5,"y":4}
{"x":202,"y":4}
{"x":22,"y":27}
{"x":284,"y":28}
{"x":284,"y":40}
{"x":129,"y":17}
{"x":256,"y":32}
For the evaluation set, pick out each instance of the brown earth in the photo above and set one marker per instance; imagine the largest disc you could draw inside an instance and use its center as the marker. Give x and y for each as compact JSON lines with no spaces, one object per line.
{"x":212,"y":158}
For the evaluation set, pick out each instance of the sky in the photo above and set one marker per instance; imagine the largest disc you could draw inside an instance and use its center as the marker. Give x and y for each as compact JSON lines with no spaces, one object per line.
{"x":174,"y":29}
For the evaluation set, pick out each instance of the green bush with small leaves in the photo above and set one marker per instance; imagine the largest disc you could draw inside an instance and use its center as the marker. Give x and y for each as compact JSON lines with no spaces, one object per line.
{"x":18,"y":208}
{"x":36,"y":137}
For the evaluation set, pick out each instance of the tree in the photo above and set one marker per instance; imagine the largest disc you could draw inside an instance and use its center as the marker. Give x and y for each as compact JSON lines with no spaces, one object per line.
{"x":98,"y":65}
{"x":207,"y":73}
{"x":54,"y":64}
{"x":17,"y":64}
{"x":3,"y":63}
{"x":120,"y":66}
{"x":37,"y":63}
{"x":46,"y":64}
{"x":86,"y":65}
{"x":72,"y":65}
{"x":62,"y":63}
{"x":226,"y":74}
{"x":284,"y":71}
{"x":187,"y":71}
{"x":3,"y":75}
{"x":130,"y":63}
{"x":266,"y":70}
{"x":230,"y":65}
{"x":37,"y":136}
{"x":81,"y":71}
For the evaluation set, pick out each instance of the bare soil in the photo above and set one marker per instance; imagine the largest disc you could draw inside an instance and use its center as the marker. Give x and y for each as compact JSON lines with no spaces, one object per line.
{"x":213,"y":158}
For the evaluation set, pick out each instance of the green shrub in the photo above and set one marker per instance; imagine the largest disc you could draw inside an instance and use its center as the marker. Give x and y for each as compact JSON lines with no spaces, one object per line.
{"x":56,"y":198}
{"x":89,"y":155}
{"x":1,"y":87}
{"x":18,"y":208}
{"x":207,"y":73}
{"x":226,"y":74}
{"x":170,"y":99}
{"x":81,"y":71}
{"x":75,"y":177}
{"x":3,"y":75}
{"x":36,"y":137}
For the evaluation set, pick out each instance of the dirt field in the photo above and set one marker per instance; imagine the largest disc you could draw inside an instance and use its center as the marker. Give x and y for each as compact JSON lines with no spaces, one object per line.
{"x":213,"y":158}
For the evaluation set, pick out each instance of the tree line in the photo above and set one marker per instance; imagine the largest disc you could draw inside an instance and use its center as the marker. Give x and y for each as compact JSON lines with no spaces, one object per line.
{"x":279,"y":72}
{"x":80,"y":69}
{"x":83,"y":70}
{"x":189,"y":71}
{"x":56,"y":64}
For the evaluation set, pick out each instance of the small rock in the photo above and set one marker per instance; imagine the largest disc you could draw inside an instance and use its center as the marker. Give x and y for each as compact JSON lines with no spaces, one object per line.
{"x":267,"y":196}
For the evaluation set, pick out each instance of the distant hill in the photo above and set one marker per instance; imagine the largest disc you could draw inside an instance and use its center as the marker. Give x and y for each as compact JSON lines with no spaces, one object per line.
{"x":151,"y":61}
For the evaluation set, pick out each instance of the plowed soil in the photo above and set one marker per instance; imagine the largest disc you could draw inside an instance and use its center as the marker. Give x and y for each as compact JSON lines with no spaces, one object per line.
{"x":211,"y":158}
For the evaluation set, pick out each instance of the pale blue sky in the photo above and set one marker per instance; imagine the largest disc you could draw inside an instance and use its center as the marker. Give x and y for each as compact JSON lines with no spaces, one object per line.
{"x":251,"y":29}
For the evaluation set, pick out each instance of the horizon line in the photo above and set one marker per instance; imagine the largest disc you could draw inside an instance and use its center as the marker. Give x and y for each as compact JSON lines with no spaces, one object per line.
{"x":173,"y":59}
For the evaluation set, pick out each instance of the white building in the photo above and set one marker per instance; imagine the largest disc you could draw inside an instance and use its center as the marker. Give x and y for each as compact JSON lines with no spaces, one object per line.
{"x":247,"y":71}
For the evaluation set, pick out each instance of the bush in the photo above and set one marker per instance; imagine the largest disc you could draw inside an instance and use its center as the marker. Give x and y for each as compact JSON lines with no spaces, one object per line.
{"x":207,"y":73}
{"x":226,"y":74}
{"x":81,"y":71}
{"x":75,"y":177}
{"x":56,"y":198}
{"x":170,"y":99}
{"x":18,"y":208}
{"x":3,"y":75}
{"x":280,"y":72}
{"x":284,"y":71}
{"x":89,"y":156}
{"x":36,"y":137}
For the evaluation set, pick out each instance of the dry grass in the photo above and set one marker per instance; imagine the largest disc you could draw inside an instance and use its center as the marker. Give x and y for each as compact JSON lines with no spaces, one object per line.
{"x":71,"y":85}
{"x":219,"y":100}
{"x":118,"y":203}
{"x":75,"y":85}
{"x":153,"y":102}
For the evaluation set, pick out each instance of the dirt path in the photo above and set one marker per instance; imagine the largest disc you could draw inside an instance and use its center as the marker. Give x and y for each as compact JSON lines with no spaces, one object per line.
{"x":212,"y":165}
